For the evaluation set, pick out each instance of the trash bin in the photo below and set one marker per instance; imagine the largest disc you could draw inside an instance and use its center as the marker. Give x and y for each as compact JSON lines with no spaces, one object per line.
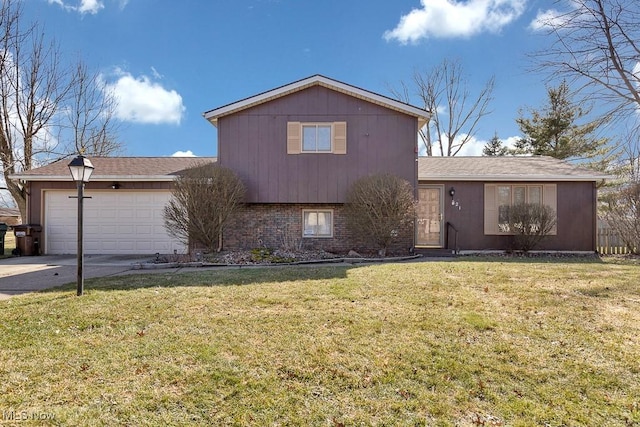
{"x":27,"y":239}
{"x":3,"y":231}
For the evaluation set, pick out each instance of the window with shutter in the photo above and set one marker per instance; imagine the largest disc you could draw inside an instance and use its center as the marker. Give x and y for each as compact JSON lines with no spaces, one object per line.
{"x":317,"y":137}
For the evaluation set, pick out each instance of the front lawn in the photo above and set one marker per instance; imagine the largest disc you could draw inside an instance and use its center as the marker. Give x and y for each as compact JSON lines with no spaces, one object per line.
{"x":470,"y":342}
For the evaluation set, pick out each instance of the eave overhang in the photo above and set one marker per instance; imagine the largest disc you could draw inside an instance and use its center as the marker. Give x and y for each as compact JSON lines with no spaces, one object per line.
{"x":516,"y":178}
{"x":97,"y":178}
{"x":422,"y":115}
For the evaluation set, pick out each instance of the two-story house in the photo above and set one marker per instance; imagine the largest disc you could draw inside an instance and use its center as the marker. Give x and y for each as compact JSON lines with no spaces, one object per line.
{"x":298,"y":149}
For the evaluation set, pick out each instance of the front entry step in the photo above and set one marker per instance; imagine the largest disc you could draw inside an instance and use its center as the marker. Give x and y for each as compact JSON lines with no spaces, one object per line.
{"x":434,"y":252}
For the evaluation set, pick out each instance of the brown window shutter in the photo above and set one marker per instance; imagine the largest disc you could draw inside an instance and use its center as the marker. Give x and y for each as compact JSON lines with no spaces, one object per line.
{"x":490,"y":209}
{"x":294,"y":138}
{"x":340,"y":138}
{"x":550,"y":198}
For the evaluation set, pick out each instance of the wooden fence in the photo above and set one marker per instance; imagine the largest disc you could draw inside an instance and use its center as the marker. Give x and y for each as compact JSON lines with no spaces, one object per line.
{"x":610,"y":243}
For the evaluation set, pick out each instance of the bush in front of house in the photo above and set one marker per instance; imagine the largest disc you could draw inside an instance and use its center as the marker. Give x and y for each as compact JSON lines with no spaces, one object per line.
{"x":378,"y":207}
{"x":531,"y":223}
{"x":204,"y":198}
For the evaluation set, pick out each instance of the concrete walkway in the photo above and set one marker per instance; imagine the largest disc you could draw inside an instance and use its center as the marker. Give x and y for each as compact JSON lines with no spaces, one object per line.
{"x":19,"y":275}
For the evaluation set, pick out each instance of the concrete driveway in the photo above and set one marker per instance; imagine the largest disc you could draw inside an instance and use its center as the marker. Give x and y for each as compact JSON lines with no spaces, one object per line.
{"x":19,"y":275}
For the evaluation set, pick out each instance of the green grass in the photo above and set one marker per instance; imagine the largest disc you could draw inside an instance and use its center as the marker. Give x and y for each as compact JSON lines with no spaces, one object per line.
{"x":463,"y":343}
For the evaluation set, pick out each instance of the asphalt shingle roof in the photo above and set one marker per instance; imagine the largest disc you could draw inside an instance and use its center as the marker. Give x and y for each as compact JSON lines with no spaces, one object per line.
{"x":503,"y":168}
{"x":499,"y":168}
{"x":109,"y":168}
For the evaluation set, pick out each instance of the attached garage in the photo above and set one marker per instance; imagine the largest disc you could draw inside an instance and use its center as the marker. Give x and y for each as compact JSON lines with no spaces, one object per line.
{"x":119,"y":222}
{"x":124,"y":214}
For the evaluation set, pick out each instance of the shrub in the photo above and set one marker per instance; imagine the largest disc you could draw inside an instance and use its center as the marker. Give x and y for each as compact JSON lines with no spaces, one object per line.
{"x":530,"y":223}
{"x":203,"y":200}
{"x":378,"y":207}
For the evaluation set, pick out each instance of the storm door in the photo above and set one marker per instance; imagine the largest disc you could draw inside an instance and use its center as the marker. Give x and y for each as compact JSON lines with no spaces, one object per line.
{"x":429,"y":221}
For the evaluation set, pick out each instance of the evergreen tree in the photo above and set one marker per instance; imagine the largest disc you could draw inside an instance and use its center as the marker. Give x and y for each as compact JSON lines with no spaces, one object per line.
{"x":494,"y":147}
{"x":554,"y":131}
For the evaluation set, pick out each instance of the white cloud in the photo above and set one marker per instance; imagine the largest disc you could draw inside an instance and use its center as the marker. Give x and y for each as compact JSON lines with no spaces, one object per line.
{"x":452,"y":18}
{"x":142,"y":100}
{"x":187,"y":153}
{"x":548,"y":19}
{"x":473,"y":147}
{"x":85,"y":6}
{"x":91,"y":7}
{"x":510,"y":142}
{"x":156,"y":74}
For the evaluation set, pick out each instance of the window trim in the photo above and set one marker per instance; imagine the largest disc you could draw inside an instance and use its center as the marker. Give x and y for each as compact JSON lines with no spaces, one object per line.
{"x":316,"y":125}
{"x":317,"y":236}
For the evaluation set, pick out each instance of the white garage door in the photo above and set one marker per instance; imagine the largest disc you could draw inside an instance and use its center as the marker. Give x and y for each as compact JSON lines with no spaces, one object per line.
{"x":115,"y":222}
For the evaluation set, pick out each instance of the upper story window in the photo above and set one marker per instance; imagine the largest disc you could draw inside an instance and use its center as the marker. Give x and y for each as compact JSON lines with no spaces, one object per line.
{"x":317,"y":137}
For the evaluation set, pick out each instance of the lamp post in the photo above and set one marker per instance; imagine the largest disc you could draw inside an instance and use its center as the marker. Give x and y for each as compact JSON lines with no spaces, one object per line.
{"x":81,"y":169}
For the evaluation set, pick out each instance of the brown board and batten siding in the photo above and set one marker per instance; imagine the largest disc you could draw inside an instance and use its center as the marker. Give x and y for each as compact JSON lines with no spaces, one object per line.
{"x":576,"y":215}
{"x":569,"y":189}
{"x":378,"y":140}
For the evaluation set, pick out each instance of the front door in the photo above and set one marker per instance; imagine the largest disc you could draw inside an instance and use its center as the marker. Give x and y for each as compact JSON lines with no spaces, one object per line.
{"x":429,"y":221}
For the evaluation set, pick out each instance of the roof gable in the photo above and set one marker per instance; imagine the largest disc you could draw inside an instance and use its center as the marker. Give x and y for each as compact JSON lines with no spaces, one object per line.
{"x":503,"y":168}
{"x":119,"y":168}
{"x":317,"y":80}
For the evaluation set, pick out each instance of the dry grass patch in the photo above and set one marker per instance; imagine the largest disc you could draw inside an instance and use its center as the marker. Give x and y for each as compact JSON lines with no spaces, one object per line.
{"x":470,"y":342}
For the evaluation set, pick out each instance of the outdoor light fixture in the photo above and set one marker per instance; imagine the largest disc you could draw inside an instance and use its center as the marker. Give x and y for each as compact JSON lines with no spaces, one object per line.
{"x":452,"y":191}
{"x":115,"y":185}
{"x":81,"y":169}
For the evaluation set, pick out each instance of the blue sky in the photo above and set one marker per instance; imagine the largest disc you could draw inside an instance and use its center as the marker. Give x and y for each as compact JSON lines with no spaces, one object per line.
{"x":169,"y":61}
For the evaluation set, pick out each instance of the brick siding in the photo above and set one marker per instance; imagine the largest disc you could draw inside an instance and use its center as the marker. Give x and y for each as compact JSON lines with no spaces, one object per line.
{"x":279,"y":226}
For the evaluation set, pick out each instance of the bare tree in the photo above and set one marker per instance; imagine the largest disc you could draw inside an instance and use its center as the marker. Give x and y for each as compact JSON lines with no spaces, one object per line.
{"x":596,"y":44}
{"x":32,"y":84}
{"x":455,"y":112}
{"x":41,"y":99}
{"x":378,"y":207}
{"x":90,"y":116}
{"x":204,"y":199}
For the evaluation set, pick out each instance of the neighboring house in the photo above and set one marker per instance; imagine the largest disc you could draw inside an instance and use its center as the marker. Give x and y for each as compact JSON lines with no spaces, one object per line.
{"x":10,"y":216}
{"x":298,"y":148}
{"x":124,"y":214}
